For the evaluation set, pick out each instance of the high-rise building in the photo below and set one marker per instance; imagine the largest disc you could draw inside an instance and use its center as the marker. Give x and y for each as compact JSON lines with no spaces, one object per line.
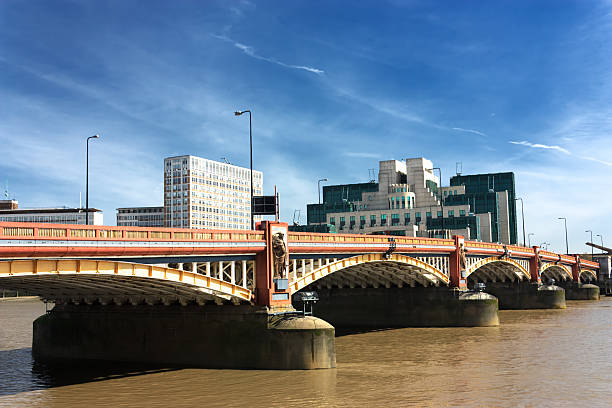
{"x":408,"y":200}
{"x":140,"y":217}
{"x":202,"y":193}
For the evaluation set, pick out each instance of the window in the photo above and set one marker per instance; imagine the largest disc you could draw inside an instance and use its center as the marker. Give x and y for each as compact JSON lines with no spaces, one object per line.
{"x":383,"y":219}
{"x":462,"y":212}
{"x":451,"y":213}
{"x":439,"y":214}
{"x":406,"y":218}
{"x":372,"y":220}
{"x":428,"y":214}
{"x":403,"y":202}
{"x":332,"y":220}
{"x":394,"y":219}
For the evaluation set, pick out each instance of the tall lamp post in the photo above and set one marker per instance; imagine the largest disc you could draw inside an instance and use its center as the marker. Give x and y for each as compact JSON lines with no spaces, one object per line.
{"x":522,"y":217}
{"x":87,"y":179}
{"x":319,"y":191}
{"x":601,"y":238}
{"x":591,"y":241}
{"x":566,"y":244}
{"x":529,"y":238}
{"x":238,"y":113}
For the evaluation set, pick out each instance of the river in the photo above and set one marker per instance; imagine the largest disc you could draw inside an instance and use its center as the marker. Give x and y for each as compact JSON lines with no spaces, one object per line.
{"x":534,"y":358}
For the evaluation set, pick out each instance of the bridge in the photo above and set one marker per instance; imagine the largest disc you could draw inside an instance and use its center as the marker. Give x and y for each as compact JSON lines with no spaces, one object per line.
{"x":99,"y":267}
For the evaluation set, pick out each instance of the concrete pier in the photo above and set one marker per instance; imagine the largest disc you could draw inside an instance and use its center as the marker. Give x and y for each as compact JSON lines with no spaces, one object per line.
{"x":581,"y":291}
{"x":525,"y":295}
{"x":405,"y":307}
{"x":210,"y":336}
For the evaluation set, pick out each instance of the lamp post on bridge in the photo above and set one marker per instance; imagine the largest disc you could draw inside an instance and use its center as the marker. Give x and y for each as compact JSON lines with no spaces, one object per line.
{"x":522,"y":217}
{"x":238,"y":113}
{"x":96,"y":136}
{"x":591,"y":241}
{"x":543,"y":245}
{"x":566,"y":244}
{"x":529,"y":238}
{"x":319,"y":192}
{"x":601,"y":238}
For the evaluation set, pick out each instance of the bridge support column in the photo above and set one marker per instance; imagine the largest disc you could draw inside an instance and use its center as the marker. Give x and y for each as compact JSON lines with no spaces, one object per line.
{"x":456,"y":267}
{"x":534,"y":266}
{"x":269,"y":292}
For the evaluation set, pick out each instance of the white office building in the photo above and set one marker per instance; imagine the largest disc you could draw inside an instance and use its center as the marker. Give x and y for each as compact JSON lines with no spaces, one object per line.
{"x":62,"y":215}
{"x":202,"y":193}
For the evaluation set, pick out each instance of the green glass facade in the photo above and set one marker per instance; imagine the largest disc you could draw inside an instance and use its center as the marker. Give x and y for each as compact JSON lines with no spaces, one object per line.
{"x":338,"y":198}
{"x":480,"y":194}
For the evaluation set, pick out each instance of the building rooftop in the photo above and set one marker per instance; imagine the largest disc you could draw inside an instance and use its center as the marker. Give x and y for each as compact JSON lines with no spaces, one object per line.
{"x":48,"y":210}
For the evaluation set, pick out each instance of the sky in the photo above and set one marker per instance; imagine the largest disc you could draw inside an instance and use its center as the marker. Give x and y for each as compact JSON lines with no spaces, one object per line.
{"x":334,"y":87}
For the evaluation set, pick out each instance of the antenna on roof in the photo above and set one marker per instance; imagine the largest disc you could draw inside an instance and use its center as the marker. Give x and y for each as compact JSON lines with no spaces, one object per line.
{"x":372,"y":175}
{"x":225,"y":160}
{"x":459,"y":168}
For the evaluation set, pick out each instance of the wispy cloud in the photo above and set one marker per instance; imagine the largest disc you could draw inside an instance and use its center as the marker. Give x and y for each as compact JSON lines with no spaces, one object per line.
{"x":250,"y":51}
{"x":607,"y":163}
{"x":542,"y":146}
{"x":476,"y":132}
{"x":362,"y":155}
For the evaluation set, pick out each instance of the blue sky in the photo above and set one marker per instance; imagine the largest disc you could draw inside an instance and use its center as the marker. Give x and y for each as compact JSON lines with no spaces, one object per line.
{"x":523,"y":86}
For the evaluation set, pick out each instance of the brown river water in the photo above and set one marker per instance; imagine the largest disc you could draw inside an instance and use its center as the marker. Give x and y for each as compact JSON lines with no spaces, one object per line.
{"x":547,"y":358}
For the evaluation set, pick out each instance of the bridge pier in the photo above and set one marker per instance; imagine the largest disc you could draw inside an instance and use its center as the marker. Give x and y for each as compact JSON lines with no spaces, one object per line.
{"x":209,"y":336}
{"x":526,"y":295}
{"x":580,"y":291}
{"x":375,"y":308}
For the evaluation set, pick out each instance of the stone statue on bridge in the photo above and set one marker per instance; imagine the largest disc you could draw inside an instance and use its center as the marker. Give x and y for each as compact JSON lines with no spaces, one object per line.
{"x":462,"y":260}
{"x":279,"y":250}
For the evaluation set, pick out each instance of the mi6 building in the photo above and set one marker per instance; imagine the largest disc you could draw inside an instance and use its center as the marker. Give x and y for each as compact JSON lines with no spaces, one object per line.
{"x":408,"y":200}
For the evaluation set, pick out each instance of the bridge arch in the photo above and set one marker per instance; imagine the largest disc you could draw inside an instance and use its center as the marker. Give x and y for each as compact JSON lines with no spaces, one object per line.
{"x":90,"y":281}
{"x":587,"y":276}
{"x":558,"y":272}
{"x":495,"y":269}
{"x":374,"y":270}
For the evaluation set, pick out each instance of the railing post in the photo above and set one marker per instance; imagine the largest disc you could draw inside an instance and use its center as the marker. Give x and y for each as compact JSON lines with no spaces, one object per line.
{"x":534,"y":265}
{"x":456,"y":274}
{"x":576,"y":269}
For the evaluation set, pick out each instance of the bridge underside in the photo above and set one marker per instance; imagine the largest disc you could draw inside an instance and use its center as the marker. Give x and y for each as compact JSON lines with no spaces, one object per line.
{"x":559,"y":274}
{"x":497,"y":271}
{"x":119,"y":283}
{"x":386,"y":274}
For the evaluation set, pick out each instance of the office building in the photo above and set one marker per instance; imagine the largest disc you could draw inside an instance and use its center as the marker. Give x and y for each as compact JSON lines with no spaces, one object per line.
{"x":202,"y":193}
{"x":408,"y":200}
{"x":140,"y":217}
{"x":63,"y":215}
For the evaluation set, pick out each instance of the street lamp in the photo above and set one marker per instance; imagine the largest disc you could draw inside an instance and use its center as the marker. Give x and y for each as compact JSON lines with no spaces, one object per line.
{"x":238,"y":113}
{"x":319,"y":191}
{"x":601,"y":238}
{"x":591,"y":242}
{"x":319,"y":187}
{"x":545,"y":245}
{"x":529,"y":238}
{"x":87,"y":179}
{"x":566,"y":244}
{"x":523,"y":217}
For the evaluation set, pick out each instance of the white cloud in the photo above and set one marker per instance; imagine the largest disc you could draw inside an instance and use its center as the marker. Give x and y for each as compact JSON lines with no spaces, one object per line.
{"x":542,"y":146}
{"x":476,"y":132}
{"x":362,"y":155}
{"x":250,"y":51}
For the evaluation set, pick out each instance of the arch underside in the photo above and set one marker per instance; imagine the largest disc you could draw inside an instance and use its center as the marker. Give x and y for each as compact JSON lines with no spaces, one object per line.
{"x":556,"y":272}
{"x":587,"y":275}
{"x":497,"y":270}
{"x":76,"y":281}
{"x":372,"y":270}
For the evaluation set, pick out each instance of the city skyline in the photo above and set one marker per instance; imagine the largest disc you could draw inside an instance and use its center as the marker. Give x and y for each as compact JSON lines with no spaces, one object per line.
{"x":333,"y":90}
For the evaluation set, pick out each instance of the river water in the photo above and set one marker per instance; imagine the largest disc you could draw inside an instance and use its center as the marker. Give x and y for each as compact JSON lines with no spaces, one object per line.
{"x":534,"y":358}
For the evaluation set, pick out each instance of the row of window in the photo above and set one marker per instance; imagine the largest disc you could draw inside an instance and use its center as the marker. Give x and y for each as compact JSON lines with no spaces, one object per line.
{"x":394,"y":217}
